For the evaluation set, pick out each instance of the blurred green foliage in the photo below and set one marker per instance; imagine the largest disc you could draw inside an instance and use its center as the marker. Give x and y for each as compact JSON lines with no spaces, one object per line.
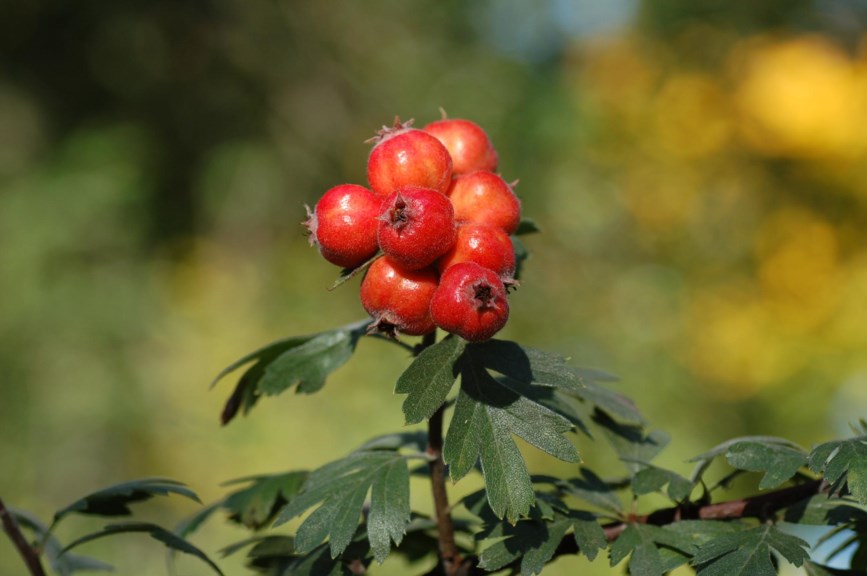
{"x":697,"y":167}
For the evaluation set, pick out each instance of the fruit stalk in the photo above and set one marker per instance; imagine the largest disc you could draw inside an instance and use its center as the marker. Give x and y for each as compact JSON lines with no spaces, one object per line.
{"x":449,"y":556}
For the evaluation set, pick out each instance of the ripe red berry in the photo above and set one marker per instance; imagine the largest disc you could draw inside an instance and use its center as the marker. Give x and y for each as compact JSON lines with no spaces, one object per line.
{"x":487,"y":246}
{"x":468,"y":145}
{"x":344,"y":223}
{"x":484,"y":198}
{"x":470,"y":302}
{"x":404,"y":156}
{"x":398,"y":299}
{"x":416,"y":226}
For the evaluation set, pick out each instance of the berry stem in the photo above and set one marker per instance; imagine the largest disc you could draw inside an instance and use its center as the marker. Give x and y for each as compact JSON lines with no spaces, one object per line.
{"x":450,"y":558}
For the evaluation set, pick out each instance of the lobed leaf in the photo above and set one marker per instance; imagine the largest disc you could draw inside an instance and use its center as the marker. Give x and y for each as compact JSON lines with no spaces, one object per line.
{"x":843,"y":459}
{"x":643,"y":542}
{"x":778,"y":462}
{"x":302,"y":360}
{"x":257,"y":504}
{"x":171,"y":540}
{"x":634,"y":444}
{"x":487,"y":413}
{"x":653,"y":479}
{"x":428,"y":380}
{"x":339,"y":490}
{"x":748,"y":552}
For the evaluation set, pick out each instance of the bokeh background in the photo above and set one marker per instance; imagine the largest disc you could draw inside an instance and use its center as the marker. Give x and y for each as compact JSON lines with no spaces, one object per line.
{"x":698,"y":168}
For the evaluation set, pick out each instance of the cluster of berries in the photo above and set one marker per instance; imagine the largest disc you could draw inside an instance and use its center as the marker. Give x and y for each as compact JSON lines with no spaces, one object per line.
{"x":437,"y":219}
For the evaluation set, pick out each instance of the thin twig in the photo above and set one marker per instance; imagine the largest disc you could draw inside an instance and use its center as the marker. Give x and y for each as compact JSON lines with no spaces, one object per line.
{"x":27,"y":552}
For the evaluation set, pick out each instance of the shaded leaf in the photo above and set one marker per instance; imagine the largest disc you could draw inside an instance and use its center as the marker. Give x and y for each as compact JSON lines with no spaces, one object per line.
{"x":526,"y":226}
{"x":634,"y":444}
{"x":748,"y":552}
{"x":822,"y":510}
{"x":530,"y":366}
{"x":533,"y":541}
{"x":429,"y":378}
{"x":487,"y":413}
{"x":256,"y":505}
{"x":115,"y":500}
{"x":814,"y":569}
{"x":843,"y":457}
{"x":156,"y":532}
{"x":52,"y":549}
{"x":592,"y":489}
{"x":643,"y":541}
{"x":339,"y":489}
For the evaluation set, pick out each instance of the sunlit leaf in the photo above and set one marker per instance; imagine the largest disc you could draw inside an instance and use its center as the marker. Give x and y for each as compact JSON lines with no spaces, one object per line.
{"x":304,"y":361}
{"x":779,"y":463}
{"x":429,"y":378}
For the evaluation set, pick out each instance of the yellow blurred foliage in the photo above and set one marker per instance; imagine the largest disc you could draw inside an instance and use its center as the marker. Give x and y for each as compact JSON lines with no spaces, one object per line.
{"x":801,"y":97}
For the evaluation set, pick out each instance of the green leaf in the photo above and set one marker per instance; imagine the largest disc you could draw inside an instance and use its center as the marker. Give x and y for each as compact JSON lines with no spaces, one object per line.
{"x":115,"y":500}
{"x":340,"y":488}
{"x":527,"y":226}
{"x":592,"y":489}
{"x":256,"y":505}
{"x":822,"y":510}
{"x":302,"y":360}
{"x":843,"y":457}
{"x":171,"y":540}
{"x":643,"y":541}
{"x":748,"y":552}
{"x":487,"y":413}
{"x":779,"y":463}
{"x":429,"y":378}
{"x":533,"y":541}
{"x":348,"y":274}
{"x":521,"y":255}
{"x":530,"y":366}
{"x":818,"y":570}
{"x":62,"y":564}
{"x":634,"y":444}
{"x":653,"y":479}
{"x":721,"y":449}
{"x":588,"y":534}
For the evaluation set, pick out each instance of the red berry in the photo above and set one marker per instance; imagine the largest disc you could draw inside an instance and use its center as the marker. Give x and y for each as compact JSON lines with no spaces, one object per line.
{"x":487,"y":246}
{"x":343,"y":224}
{"x":484,"y":198}
{"x":416,"y":226}
{"x":404,"y":156}
{"x":398,"y":299}
{"x":470,"y":302}
{"x":468,"y":145}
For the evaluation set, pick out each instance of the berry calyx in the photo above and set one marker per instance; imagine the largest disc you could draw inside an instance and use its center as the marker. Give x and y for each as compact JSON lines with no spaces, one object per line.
{"x":398,"y":300}
{"x":485,"y":198}
{"x":404,"y":156}
{"x":416,"y":226}
{"x":470,"y":302}
{"x":468,"y":145}
{"x":487,"y":246}
{"x":343,"y":224}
